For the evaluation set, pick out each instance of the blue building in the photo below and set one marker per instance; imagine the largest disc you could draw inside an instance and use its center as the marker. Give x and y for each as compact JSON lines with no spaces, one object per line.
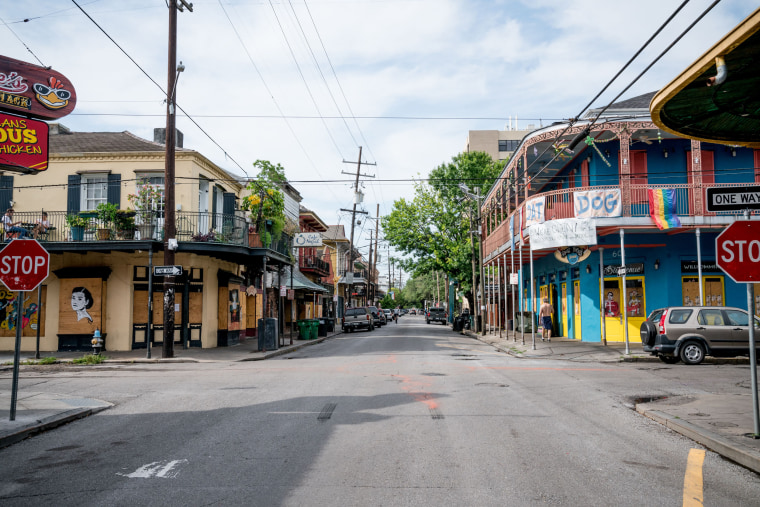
{"x":579,"y":201}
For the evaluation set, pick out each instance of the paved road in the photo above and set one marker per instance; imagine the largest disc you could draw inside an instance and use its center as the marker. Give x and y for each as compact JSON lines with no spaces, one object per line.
{"x":409,"y":414}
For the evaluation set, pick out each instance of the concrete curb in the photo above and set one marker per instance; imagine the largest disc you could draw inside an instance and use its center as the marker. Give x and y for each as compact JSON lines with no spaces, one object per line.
{"x":283,"y":351}
{"x":746,"y":457}
{"x":48,"y":423}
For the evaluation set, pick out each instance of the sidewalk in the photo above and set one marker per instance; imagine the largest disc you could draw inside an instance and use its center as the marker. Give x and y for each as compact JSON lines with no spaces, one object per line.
{"x":37,"y":412}
{"x":722,"y":423}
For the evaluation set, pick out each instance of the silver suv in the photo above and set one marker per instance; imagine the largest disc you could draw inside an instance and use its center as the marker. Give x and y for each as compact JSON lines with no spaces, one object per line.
{"x":688,"y":333}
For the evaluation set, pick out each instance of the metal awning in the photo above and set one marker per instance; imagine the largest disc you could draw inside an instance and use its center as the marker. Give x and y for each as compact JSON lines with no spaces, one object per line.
{"x":300,"y":282}
{"x":726,"y":113}
{"x":358,"y":280}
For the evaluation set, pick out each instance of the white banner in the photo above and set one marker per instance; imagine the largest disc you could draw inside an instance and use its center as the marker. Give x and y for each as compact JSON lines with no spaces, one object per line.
{"x":564,"y":232}
{"x":598,"y":203}
{"x":514,"y":278}
{"x":307,"y":239}
{"x":535,"y":211}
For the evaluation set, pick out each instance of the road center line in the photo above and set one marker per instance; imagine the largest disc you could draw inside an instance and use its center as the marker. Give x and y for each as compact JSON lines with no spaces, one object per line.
{"x":692,"y":481}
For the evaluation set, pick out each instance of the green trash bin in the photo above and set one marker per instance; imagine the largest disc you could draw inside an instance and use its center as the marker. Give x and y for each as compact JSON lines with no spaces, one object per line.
{"x":303,"y":329}
{"x":313,"y":328}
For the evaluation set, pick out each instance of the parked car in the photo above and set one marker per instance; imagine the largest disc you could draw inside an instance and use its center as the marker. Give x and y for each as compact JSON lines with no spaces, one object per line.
{"x":358,"y":317}
{"x":412,"y":312}
{"x":378,"y":317}
{"x":689,"y":333}
{"x":436,"y":315}
{"x":388,"y":314}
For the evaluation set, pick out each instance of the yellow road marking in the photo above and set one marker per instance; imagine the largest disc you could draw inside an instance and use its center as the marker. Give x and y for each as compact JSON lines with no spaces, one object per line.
{"x":692,"y":481}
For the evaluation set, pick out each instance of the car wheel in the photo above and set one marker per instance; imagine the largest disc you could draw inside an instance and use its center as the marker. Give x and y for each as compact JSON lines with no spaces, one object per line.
{"x":669,"y":359}
{"x":692,"y":352}
{"x":648,"y":331}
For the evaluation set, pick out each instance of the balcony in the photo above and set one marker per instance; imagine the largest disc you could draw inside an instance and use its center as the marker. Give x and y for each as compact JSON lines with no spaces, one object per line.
{"x":559,"y":204}
{"x":314,"y":265}
{"x":194,"y":231}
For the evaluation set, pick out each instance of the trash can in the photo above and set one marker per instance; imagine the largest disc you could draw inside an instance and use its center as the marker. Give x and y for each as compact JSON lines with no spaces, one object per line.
{"x":330,"y":325}
{"x":313,"y":328}
{"x":458,"y":324}
{"x":268,"y":338}
{"x":303,"y":329}
{"x":322,"y":327}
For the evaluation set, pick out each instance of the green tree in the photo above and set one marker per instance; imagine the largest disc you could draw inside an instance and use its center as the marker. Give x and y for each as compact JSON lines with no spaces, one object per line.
{"x":266,"y":201}
{"x":432,"y":229}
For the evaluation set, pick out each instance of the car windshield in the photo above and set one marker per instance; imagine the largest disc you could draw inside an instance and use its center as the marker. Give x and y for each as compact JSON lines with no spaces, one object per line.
{"x":353,"y":312}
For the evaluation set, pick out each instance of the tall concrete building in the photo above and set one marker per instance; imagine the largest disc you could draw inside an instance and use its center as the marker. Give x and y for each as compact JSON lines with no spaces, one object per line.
{"x":500,"y":144}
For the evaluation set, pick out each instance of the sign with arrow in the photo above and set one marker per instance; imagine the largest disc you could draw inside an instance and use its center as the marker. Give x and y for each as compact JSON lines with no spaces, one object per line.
{"x":167,"y":270}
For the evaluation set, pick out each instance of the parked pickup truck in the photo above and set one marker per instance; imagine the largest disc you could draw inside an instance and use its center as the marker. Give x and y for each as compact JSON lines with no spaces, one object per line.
{"x":358,"y":318}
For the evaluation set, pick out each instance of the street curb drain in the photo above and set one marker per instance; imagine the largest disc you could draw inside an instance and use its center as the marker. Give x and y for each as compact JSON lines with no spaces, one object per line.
{"x":327,"y":412}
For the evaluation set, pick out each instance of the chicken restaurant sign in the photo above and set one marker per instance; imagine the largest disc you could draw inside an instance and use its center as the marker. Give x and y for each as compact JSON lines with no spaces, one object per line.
{"x":29,"y":91}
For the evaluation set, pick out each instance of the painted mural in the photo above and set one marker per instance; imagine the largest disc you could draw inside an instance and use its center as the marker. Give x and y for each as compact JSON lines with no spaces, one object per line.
{"x":30,"y":316}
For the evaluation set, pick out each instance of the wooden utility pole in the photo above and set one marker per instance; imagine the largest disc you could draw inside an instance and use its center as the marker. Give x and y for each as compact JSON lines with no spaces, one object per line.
{"x":370,"y":301}
{"x":169,"y":201}
{"x":353,"y":217}
{"x":374,"y":268}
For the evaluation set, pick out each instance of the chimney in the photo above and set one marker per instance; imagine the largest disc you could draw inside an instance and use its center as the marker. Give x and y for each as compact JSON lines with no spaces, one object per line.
{"x":159,"y":136}
{"x":58,"y":128}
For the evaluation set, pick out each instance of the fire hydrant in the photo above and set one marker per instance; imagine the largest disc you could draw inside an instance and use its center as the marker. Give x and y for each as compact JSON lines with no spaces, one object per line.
{"x":97,"y":342}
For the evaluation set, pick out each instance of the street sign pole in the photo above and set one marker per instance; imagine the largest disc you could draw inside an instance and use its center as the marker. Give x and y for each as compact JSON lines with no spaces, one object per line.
{"x":16,"y":354}
{"x":753,"y":357}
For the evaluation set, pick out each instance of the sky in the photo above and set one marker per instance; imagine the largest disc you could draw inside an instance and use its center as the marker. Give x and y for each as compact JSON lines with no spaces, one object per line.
{"x":306,"y":83}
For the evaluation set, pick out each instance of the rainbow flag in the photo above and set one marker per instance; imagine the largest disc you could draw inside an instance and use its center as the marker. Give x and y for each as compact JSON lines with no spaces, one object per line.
{"x":662,"y":207}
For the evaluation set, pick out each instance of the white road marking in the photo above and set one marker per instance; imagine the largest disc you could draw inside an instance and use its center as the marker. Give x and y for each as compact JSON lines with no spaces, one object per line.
{"x":164,"y":469}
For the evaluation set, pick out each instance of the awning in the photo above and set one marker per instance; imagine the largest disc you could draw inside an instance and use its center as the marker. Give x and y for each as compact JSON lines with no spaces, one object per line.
{"x":724,"y":113}
{"x":358,"y":280}
{"x":300,"y":282}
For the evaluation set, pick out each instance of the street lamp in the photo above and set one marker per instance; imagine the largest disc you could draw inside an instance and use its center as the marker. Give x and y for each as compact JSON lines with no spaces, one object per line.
{"x":476,"y":198}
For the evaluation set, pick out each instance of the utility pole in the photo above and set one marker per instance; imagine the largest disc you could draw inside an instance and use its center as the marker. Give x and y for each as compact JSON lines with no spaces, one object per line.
{"x":169,"y":205}
{"x":353,"y":215}
{"x":374,"y":268}
{"x":369,"y":275}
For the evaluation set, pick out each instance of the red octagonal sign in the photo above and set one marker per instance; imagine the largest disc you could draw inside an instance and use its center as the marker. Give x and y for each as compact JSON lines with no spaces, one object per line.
{"x":737,"y":251}
{"x":24,"y":264}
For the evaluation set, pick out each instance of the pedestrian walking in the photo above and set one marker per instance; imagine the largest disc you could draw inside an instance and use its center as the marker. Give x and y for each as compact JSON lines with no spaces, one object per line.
{"x":545,"y":315}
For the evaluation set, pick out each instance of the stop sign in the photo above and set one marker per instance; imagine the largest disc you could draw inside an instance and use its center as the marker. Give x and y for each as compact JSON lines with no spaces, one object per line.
{"x":24,"y":264}
{"x":737,"y":251}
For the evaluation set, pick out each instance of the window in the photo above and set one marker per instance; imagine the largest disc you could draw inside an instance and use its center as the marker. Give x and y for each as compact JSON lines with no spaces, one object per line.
{"x":508,"y":144}
{"x":679,"y":316}
{"x":737,"y":318}
{"x":94,"y":191}
{"x":157,"y":182}
{"x":712,"y":318}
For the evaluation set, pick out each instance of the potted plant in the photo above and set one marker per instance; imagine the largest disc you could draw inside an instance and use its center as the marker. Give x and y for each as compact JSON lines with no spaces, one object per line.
{"x":147,"y":202}
{"x":106,"y":214}
{"x":124,"y":223}
{"x":77,"y":224}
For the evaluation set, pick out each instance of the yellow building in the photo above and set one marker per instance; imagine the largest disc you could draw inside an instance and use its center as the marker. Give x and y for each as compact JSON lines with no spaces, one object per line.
{"x":100,"y":276}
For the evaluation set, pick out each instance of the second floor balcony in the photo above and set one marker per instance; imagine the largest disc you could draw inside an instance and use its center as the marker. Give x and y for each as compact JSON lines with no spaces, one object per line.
{"x":313,"y":264}
{"x":128,"y":229}
{"x":634,"y":201}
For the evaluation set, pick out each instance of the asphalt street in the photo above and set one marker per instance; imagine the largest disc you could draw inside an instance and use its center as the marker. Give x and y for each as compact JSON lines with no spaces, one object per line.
{"x":409,"y":414}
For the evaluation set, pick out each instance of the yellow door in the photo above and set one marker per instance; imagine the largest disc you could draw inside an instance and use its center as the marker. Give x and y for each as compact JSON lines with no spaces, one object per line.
{"x":563,"y":307}
{"x":613,"y":307}
{"x":577,"y":309}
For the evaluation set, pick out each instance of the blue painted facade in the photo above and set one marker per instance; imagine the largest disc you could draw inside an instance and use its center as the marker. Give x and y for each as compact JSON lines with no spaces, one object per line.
{"x":663,"y":261}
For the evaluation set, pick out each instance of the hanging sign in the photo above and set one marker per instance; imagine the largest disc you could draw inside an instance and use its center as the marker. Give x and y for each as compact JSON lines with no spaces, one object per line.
{"x":598,"y":203}
{"x":535,"y":211}
{"x":23,"y":144}
{"x":563,"y":232}
{"x":34,"y":91}
{"x":307,"y":239}
{"x":572,"y":254}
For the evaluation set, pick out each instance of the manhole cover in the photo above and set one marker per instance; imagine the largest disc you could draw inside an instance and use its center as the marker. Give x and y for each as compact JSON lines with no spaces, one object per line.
{"x":721,"y":424}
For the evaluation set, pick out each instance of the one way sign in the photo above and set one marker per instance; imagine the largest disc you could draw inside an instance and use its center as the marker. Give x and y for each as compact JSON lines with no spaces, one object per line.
{"x":167,"y":270}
